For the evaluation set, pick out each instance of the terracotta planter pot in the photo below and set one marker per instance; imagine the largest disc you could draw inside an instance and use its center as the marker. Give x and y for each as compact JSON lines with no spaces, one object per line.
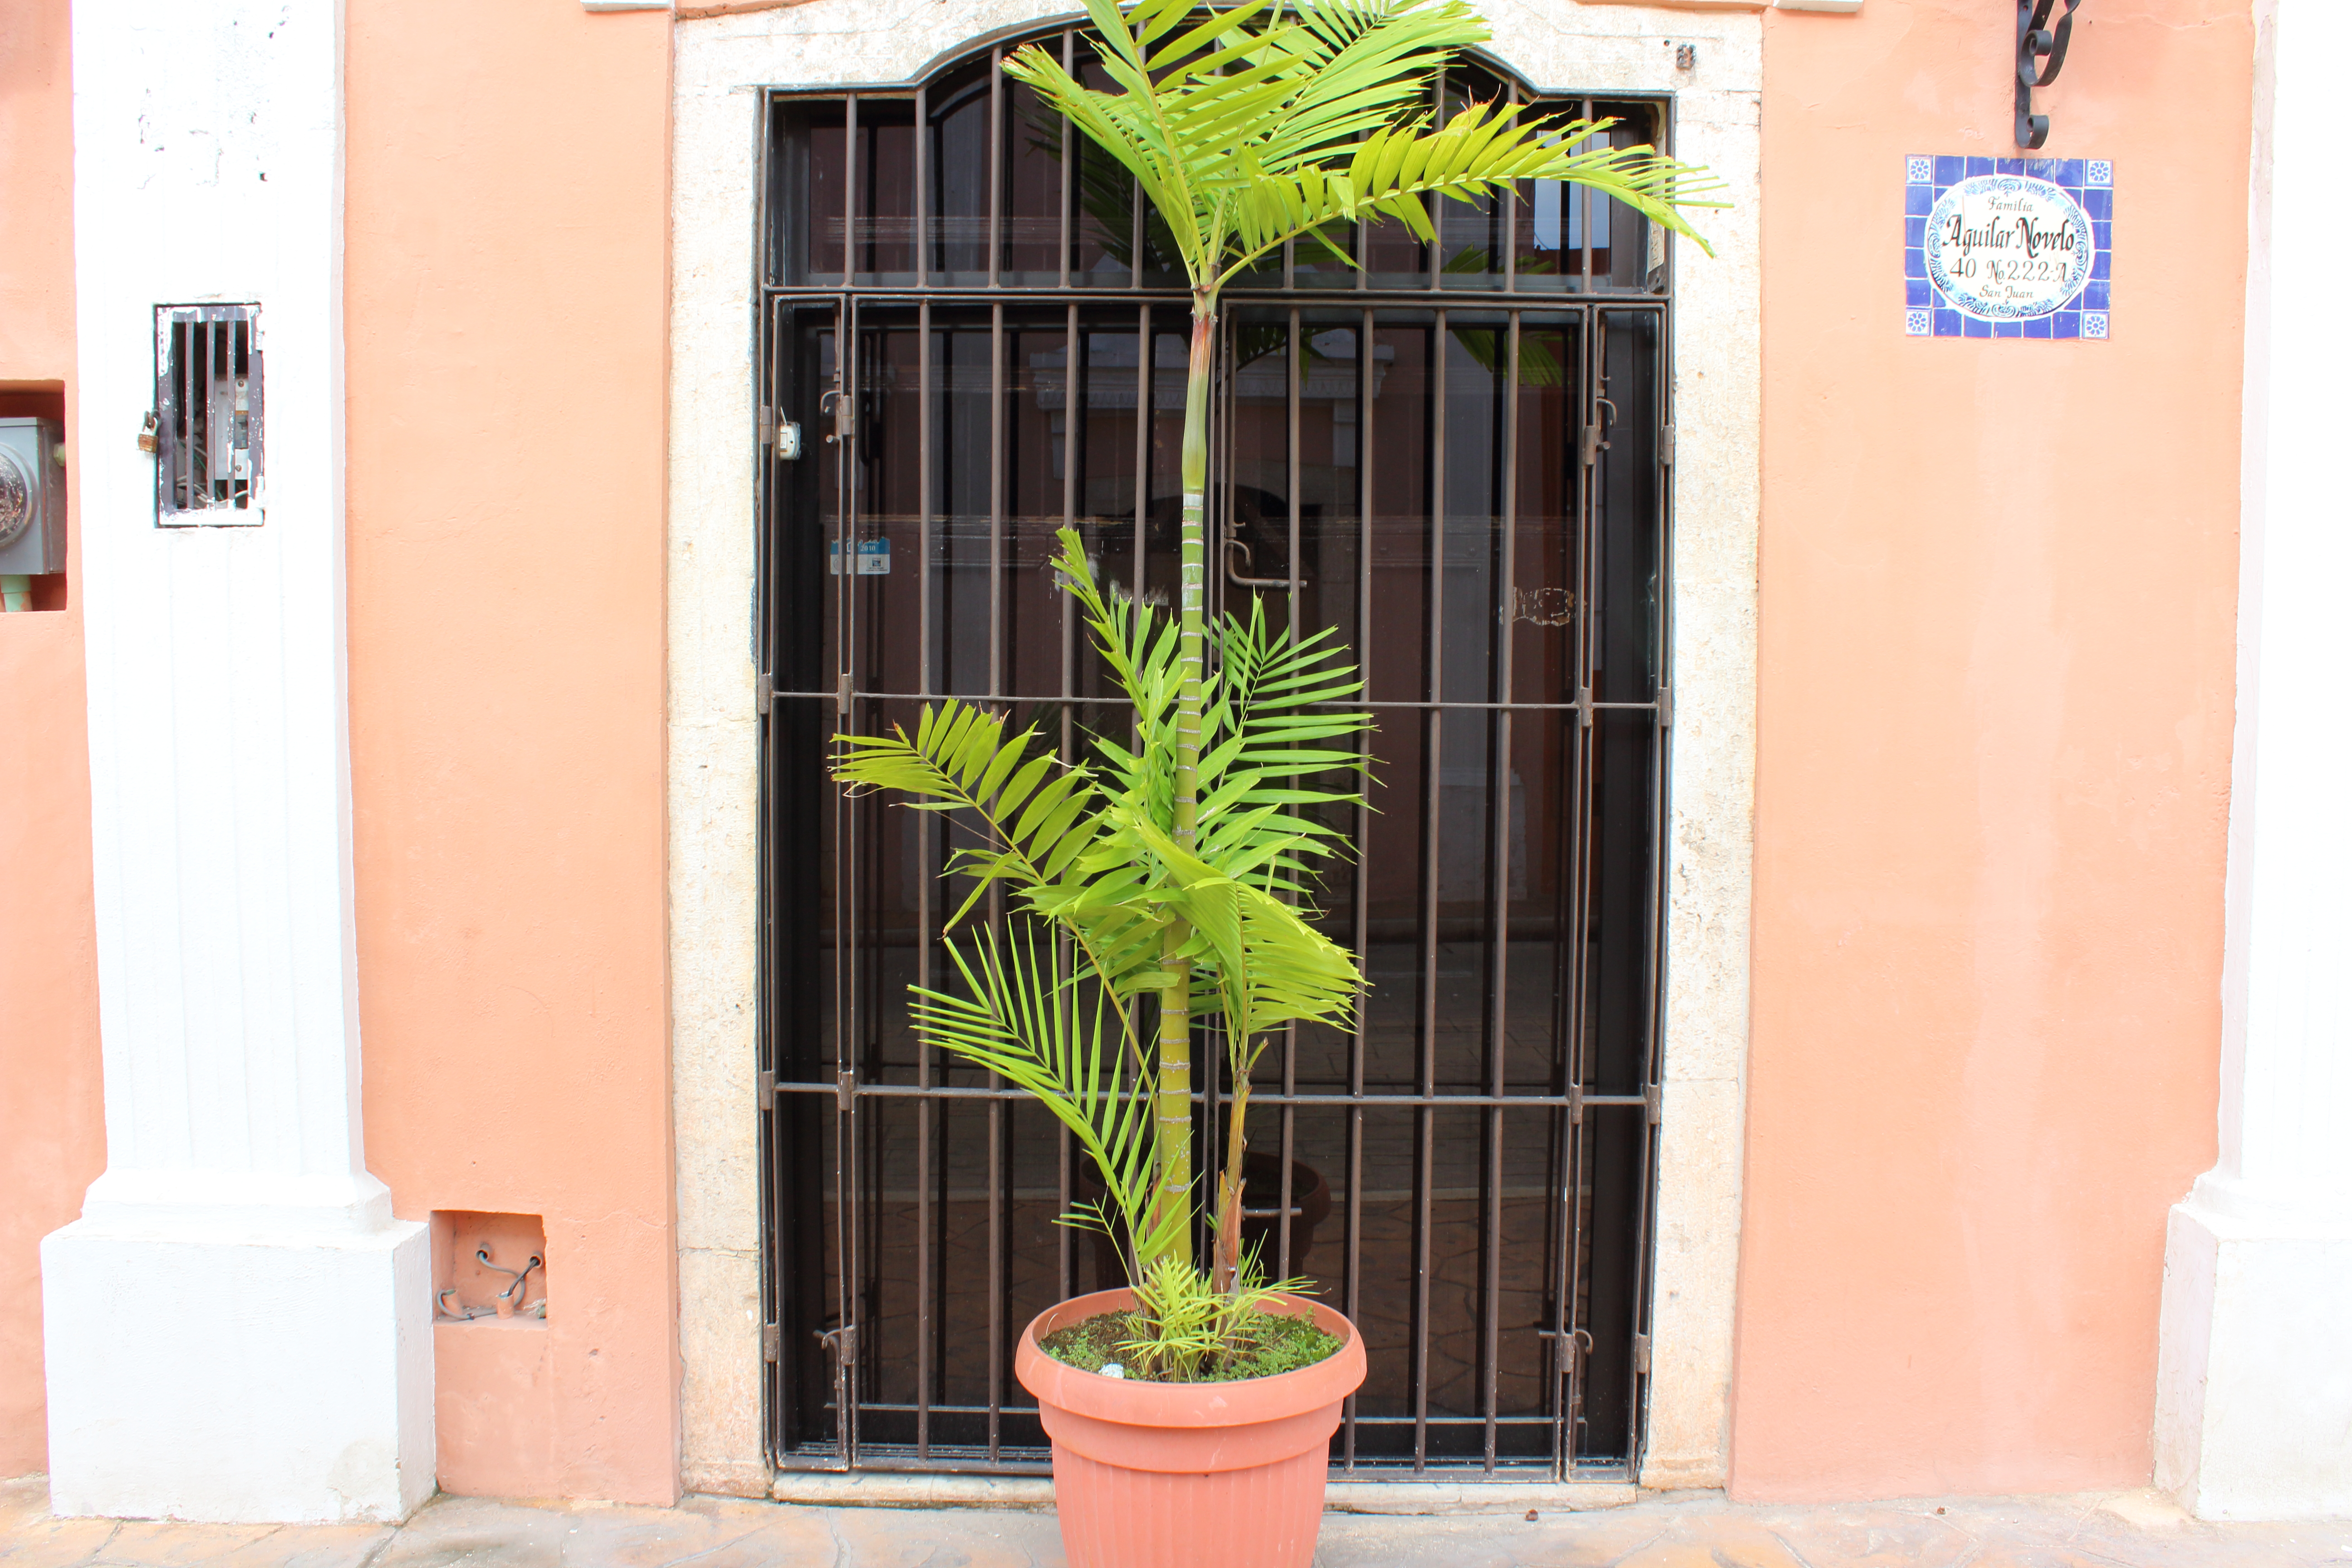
{"x":1187,"y":1475}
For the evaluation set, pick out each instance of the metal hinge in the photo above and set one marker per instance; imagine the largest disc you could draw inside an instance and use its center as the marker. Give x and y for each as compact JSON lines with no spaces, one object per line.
{"x":1584,"y":707}
{"x":767,"y":423}
{"x":1593,"y":445}
{"x":771,"y":1341}
{"x":1654,"y":1096}
{"x":1665,"y":707}
{"x":1666,"y":445}
{"x":768,"y":1089}
{"x":762,"y":692}
{"x":841,"y":693}
{"x":1575,"y":1103}
{"x":845,"y":1084}
{"x":1642,"y":1354}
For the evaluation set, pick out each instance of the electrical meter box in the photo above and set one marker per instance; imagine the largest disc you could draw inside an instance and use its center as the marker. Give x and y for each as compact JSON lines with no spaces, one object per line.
{"x":32,"y":497}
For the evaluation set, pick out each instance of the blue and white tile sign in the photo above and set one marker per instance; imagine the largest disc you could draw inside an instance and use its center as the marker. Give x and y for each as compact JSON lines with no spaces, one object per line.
{"x":2008,"y":248}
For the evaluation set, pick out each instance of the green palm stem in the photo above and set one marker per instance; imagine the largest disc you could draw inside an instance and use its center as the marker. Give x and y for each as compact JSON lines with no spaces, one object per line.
{"x":1175,"y":1075}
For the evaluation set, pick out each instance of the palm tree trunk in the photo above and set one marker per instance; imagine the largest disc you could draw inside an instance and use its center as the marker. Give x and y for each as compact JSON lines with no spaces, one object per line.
{"x":1175,"y":1086}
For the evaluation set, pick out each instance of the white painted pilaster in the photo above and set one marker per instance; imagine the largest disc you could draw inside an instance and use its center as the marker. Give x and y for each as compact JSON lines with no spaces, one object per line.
{"x":2254,"y":1378}
{"x":236,"y":1327}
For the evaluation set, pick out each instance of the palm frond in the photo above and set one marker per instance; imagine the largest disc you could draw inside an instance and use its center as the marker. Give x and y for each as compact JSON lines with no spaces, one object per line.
{"x":1024,"y":1016}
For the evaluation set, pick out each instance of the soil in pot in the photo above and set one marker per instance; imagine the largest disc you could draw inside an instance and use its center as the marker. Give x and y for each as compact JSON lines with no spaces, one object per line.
{"x":1281,"y":1342}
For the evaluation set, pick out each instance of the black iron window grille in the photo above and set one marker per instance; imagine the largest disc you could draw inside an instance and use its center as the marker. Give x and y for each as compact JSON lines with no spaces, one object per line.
{"x":1456,"y":455}
{"x":208,"y":413}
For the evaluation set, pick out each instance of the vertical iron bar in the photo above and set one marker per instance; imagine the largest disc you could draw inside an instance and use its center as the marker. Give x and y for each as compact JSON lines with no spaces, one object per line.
{"x":848,"y":201}
{"x":1295,"y":375}
{"x":1144,"y":351}
{"x":1134,"y":245}
{"x":1581,"y":197}
{"x":923,"y":225}
{"x":1436,"y":206}
{"x":1363,"y":825}
{"x":1581,"y":1046}
{"x":1653,"y":951}
{"x":840,"y":559}
{"x":1433,"y":799}
{"x":1073,"y":406}
{"x":995,"y":175}
{"x":926,"y":1111}
{"x":1499,"y":812}
{"x":996,"y":500}
{"x":998,"y":1231}
{"x":1070,"y":191}
{"x":1509,"y":207}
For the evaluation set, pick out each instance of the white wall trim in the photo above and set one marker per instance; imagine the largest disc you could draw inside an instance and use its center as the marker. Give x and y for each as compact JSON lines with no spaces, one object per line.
{"x":237,"y":1327}
{"x":2254,"y":1370}
{"x":713,"y":768}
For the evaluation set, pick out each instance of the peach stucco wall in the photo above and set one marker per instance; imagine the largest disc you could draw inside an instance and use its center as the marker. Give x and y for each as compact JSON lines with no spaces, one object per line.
{"x":52,"y":1126}
{"x":507,"y":297}
{"x":1998,"y":589}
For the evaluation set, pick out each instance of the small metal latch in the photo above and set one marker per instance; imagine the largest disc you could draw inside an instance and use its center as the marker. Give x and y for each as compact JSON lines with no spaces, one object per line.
{"x":1665,"y":707}
{"x":148,"y":433}
{"x":841,"y":1343}
{"x":1642,"y":1354}
{"x":845,"y":1083}
{"x":1666,"y":445}
{"x":768,"y":1089}
{"x":1654,"y":1096}
{"x":771,"y":1341}
{"x":1592,"y":444}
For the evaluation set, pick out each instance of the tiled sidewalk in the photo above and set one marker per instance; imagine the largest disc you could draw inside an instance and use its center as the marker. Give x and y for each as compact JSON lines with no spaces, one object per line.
{"x":1695,"y":1530}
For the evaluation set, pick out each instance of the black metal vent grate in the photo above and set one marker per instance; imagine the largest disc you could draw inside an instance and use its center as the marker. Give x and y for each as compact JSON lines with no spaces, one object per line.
{"x":208,"y":415}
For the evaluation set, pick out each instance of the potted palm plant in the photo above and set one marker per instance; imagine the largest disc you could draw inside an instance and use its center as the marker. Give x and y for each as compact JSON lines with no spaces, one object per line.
{"x":1166,"y":882}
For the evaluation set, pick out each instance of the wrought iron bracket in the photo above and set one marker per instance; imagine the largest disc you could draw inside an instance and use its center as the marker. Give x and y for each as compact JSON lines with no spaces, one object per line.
{"x":2040,"y":56}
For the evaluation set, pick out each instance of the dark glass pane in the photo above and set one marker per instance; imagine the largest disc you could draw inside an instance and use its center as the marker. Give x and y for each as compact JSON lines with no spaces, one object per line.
{"x":1477,"y":380}
{"x":1102,"y":199}
{"x":1394,"y":256}
{"x":962,"y":365}
{"x":1616,"y":1151}
{"x":1315,"y":265}
{"x":1625,"y":563}
{"x":885,"y":223}
{"x":1470,"y":234}
{"x":1330,"y":473}
{"x":1396,"y":663}
{"x":1545,"y":502}
{"x":809,"y":173}
{"x":1253,"y":504}
{"x":1033,"y":190}
{"x":1037,"y":630}
{"x":1540,"y":903}
{"x":959,"y":158}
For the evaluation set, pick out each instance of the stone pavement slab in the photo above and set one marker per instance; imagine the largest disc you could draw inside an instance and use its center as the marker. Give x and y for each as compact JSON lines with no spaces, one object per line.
{"x":2132,"y":1529}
